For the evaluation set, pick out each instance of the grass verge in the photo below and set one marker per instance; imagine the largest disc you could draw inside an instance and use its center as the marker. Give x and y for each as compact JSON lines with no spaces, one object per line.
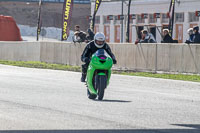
{"x":194,"y":78}
{"x":43,"y":65}
{"x":35,"y":64}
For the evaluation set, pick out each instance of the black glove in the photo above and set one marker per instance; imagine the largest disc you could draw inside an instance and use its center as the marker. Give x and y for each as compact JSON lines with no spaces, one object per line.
{"x":87,"y":60}
{"x":114,"y":61}
{"x":187,"y":41}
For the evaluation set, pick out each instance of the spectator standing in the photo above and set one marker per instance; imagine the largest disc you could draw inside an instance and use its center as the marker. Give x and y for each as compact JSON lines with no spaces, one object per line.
{"x":191,"y":36}
{"x":147,"y":37}
{"x":79,"y":36}
{"x":196,"y":34}
{"x":166,"y":37}
{"x":90,"y":35}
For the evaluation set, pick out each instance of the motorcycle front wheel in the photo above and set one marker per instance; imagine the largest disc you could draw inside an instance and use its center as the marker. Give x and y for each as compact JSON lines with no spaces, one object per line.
{"x":101,"y":85}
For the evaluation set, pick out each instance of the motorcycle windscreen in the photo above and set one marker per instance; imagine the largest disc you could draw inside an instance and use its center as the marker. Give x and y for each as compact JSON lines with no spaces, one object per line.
{"x":102,"y":54}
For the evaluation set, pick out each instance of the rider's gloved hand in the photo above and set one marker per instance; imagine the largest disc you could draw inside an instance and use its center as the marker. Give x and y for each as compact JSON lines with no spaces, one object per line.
{"x":114,"y":61}
{"x":187,"y":41}
{"x":87,"y":60}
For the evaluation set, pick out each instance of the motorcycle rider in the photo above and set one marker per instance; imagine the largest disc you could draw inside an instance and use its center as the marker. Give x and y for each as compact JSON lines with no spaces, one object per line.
{"x":91,"y":48}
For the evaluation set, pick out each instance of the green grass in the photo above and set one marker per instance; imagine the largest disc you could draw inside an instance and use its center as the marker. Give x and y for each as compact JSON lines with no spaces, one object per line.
{"x":43,"y":65}
{"x":184,"y":77}
{"x":35,"y":64}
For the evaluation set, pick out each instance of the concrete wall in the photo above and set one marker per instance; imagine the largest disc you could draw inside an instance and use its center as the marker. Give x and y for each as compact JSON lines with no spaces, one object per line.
{"x":20,"y":51}
{"x":181,"y":58}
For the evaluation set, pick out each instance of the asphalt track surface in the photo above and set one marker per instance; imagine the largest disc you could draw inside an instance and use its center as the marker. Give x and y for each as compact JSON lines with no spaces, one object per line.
{"x":51,"y":101}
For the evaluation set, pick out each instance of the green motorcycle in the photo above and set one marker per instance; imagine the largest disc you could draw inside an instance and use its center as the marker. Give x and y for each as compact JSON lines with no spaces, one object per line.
{"x":98,"y":74}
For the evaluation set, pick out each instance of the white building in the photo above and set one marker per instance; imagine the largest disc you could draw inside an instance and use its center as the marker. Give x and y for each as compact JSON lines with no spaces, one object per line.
{"x":184,"y":18}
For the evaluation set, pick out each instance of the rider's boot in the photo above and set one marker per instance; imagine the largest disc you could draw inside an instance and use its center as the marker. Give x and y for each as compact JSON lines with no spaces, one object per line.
{"x":83,"y":77}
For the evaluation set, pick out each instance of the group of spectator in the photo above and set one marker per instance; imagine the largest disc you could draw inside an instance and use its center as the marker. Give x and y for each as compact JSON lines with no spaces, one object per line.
{"x":146,"y":37}
{"x":194,"y":35}
{"x":80,"y":36}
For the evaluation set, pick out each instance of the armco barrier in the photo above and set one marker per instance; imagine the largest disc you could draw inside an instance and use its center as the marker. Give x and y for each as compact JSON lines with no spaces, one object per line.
{"x":182,"y":58}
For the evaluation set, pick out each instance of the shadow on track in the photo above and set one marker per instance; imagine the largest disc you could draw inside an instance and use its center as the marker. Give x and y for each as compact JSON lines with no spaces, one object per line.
{"x":193,"y":129}
{"x":195,"y":126}
{"x":114,"y":101}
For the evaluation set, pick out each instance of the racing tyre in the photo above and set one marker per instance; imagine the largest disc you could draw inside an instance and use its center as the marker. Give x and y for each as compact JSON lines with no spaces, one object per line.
{"x":101,"y":85}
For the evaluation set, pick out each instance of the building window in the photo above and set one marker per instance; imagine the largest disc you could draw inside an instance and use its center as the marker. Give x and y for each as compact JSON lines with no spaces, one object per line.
{"x":97,"y":20}
{"x":165,"y":27}
{"x":131,"y":21}
{"x":126,"y":19}
{"x":105,"y":20}
{"x":116,"y":21}
{"x":179,"y":17}
{"x":140,"y":19}
{"x":139,"y":29}
{"x":164,"y":18}
{"x":193,"y":17}
{"x":152,"y":19}
{"x":152,"y":30}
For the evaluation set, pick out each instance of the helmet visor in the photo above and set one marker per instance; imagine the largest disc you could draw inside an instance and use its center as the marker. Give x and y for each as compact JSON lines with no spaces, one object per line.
{"x":99,"y":42}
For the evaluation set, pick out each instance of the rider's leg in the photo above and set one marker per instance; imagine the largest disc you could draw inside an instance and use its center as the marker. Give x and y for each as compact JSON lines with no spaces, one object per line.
{"x":84,"y":72}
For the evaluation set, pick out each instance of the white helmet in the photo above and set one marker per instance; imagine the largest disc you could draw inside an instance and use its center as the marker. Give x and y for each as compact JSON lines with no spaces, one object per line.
{"x":190,"y":31}
{"x":99,"y":36}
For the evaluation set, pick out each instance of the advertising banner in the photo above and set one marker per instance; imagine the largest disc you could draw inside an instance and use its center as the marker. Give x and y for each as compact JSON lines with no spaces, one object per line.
{"x":67,"y":16}
{"x":97,"y":5}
